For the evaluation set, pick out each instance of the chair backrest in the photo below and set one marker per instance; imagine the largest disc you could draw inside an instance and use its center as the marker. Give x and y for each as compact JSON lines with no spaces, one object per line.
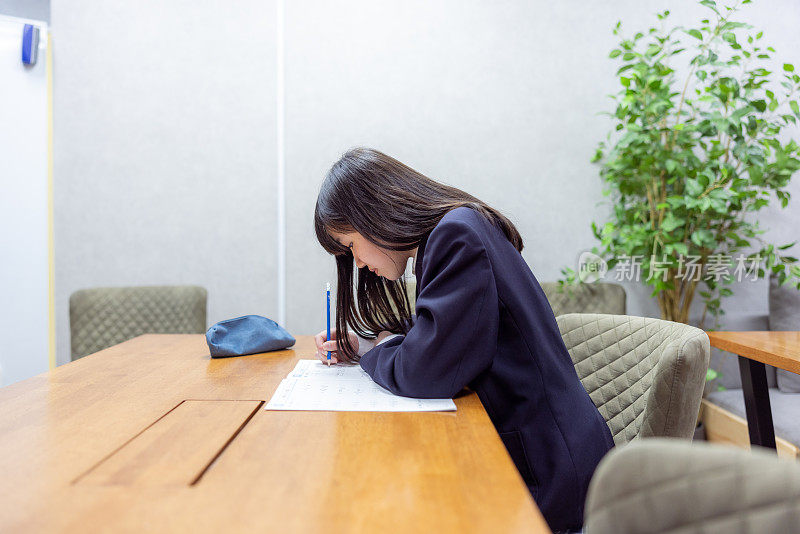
{"x":582,"y":298}
{"x":102,"y":317}
{"x":585,"y":298}
{"x":669,"y":486}
{"x":645,"y":376}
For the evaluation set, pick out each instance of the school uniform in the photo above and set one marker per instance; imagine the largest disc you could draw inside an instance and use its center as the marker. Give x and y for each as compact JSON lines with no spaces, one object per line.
{"x":483,"y":321}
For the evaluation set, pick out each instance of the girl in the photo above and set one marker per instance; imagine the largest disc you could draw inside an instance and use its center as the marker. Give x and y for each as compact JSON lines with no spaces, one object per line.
{"x":481,"y":320}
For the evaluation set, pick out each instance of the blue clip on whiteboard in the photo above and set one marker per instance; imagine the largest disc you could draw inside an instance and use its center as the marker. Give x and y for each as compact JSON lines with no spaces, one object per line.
{"x":30,"y":44}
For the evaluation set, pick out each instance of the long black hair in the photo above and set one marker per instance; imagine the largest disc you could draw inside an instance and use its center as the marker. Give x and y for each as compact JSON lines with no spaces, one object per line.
{"x":394,"y":207}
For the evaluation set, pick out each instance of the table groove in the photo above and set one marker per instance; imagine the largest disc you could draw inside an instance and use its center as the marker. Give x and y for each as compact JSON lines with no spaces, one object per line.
{"x":125,"y":444}
{"x":225,"y":446}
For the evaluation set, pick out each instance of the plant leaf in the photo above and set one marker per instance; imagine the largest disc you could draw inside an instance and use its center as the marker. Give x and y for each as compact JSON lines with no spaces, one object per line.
{"x":695,"y":33}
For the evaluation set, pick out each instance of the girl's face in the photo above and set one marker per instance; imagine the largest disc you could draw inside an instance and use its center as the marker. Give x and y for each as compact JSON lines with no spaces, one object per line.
{"x":390,"y":264}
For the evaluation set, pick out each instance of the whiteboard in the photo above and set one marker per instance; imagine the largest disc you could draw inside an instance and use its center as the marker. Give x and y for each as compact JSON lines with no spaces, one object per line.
{"x":24,"y":223}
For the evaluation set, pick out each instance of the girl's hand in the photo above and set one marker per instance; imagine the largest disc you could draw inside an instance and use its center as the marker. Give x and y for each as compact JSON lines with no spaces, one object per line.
{"x":324,"y":345}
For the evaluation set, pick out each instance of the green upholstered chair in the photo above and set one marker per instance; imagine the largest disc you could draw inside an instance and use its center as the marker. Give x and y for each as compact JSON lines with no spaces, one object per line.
{"x":586,"y":298}
{"x":645,"y":376}
{"x":673,"y":487}
{"x":102,"y":317}
{"x":583,"y":298}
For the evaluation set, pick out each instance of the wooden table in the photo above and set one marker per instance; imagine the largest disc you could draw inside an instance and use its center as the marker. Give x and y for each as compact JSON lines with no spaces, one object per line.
{"x":755,"y":349}
{"x":153,"y":435}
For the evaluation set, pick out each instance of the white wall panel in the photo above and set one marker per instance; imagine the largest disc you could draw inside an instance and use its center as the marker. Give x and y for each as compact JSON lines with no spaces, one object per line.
{"x":165,"y":150}
{"x":165,"y":131}
{"x":501,"y":99}
{"x":24,"y":217}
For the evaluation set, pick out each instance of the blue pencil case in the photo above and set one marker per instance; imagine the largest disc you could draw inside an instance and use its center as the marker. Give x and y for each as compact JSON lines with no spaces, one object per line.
{"x":249,"y":334}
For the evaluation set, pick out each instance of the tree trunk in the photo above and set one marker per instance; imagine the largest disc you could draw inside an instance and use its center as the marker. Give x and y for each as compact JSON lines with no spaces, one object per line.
{"x":675,"y":303}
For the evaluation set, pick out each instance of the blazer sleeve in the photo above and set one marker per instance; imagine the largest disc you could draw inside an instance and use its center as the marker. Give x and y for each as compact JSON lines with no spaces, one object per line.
{"x":454,"y":337}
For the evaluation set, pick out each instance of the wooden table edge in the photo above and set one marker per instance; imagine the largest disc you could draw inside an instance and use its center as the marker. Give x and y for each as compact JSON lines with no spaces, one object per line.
{"x":720,"y":341}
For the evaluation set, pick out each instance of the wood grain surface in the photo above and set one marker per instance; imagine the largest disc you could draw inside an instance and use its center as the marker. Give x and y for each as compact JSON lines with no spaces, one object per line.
{"x":154,"y":435}
{"x":779,"y":349}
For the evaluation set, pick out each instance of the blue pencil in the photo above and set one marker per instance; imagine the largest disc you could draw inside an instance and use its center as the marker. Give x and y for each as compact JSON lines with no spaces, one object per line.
{"x":328,"y":293}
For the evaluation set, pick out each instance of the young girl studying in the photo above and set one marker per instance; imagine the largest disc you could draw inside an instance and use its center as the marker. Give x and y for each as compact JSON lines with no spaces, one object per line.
{"x":482,"y":321}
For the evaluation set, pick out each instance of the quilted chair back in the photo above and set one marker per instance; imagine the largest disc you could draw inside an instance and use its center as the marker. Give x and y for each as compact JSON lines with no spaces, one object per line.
{"x":645,"y":376}
{"x":585,"y":298}
{"x":669,"y":486}
{"x":102,"y":317}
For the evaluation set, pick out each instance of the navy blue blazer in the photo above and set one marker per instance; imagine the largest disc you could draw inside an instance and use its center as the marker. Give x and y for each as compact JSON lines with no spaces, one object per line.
{"x":483,"y":321}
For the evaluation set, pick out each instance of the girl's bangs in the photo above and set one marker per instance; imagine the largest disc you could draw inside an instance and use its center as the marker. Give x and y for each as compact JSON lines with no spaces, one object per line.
{"x":331,"y":245}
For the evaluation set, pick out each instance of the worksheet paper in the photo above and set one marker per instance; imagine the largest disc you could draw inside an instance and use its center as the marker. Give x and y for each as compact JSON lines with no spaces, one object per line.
{"x":313,"y":385}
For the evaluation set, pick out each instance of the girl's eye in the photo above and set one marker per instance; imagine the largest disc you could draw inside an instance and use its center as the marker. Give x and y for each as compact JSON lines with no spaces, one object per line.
{"x":350,"y":246}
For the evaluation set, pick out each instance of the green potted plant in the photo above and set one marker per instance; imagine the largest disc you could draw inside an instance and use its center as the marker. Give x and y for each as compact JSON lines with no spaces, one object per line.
{"x":695,"y":152}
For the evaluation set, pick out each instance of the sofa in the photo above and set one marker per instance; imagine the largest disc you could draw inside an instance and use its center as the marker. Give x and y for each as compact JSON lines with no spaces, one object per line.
{"x":722,"y":410}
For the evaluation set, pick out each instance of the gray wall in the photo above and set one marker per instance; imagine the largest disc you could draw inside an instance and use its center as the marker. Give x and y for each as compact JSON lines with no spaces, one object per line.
{"x":165,"y":163}
{"x":498,"y":98}
{"x":164,"y":125}
{"x":26,"y":9}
